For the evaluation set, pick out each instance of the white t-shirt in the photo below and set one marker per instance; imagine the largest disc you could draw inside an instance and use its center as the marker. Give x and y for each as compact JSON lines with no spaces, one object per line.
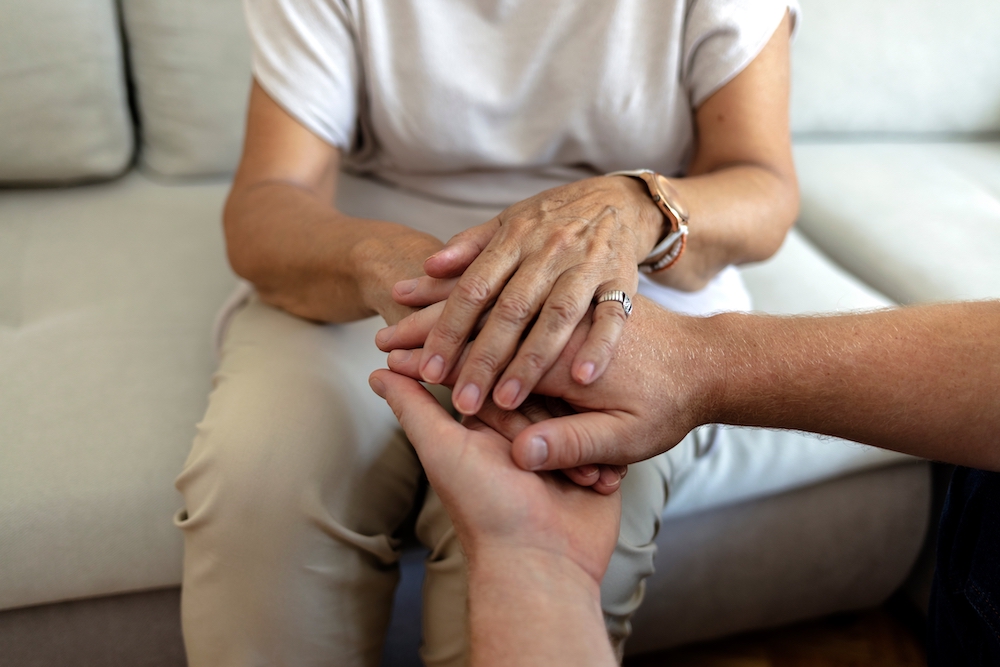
{"x":491,"y":101}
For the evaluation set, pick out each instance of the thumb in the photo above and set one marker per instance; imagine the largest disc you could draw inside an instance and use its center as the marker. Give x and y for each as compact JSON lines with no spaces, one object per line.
{"x":571,"y":441}
{"x":461,"y":250}
{"x":427,"y":424}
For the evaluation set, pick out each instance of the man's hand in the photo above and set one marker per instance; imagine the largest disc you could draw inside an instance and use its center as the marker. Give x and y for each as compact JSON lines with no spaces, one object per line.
{"x":509,"y":423}
{"x":495,"y":506}
{"x":537,"y":545}
{"x":912,"y":379}
{"x":655,"y":390}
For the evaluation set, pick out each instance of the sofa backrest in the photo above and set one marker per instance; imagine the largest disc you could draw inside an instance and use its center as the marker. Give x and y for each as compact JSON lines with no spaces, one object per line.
{"x":859,"y":67}
{"x":897,"y":66}
{"x":190,"y":62}
{"x":63,"y":107}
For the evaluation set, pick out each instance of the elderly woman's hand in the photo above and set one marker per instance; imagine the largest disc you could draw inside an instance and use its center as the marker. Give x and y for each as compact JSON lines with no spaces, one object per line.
{"x":547,"y":257}
{"x":651,"y":396}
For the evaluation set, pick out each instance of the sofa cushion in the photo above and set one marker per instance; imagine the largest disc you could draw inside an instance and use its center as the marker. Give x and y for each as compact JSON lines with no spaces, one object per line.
{"x":918,"y":222}
{"x":105,"y":358}
{"x":819,"y":285}
{"x":191,"y":69}
{"x":897,"y":66}
{"x":63,"y":109}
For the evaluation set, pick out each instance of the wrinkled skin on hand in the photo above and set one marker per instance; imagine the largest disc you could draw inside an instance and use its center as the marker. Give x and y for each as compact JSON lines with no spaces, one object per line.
{"x":536,"y":268}
{"x":651,"y":395}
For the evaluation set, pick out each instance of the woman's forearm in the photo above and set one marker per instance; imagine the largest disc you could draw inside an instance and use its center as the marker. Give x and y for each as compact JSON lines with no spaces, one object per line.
{"x":740,"y":190}
{"x":306,"y":257}
{"x":738,"y":214}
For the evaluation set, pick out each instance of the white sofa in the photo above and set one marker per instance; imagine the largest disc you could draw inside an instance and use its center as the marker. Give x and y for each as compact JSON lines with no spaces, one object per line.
{"x":120,"y":124}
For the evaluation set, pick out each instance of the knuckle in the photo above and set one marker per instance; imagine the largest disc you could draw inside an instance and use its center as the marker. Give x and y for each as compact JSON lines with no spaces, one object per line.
{"x":572,"y":449}
{"x":504,"y":418}
{"x":473,"y":289}
{"x":446,"y":333}
{"x":514,"y":308}
{"x":486,"y":362}
{"x":564,"y":311}
{"x":584,"y":445}
{"x":534,"y":362}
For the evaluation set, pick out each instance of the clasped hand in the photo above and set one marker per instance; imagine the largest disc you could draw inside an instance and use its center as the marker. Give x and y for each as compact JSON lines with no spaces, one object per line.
{"x":655,"y":391}
{"x":494,"y":505}
{"x":546,"y":258}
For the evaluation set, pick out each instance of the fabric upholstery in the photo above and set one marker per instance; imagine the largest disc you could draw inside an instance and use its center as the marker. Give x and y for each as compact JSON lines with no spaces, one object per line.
{"x":819,"y":550}
{"x":105,"y":358}
{"x":819,"y":285}
{"x":760,"y":563}
{"x":63,"y":109}
{"x":896,"y":66}
{"x":140,"y":630}
{"x":918,"y":222}
{"x":191,"y":68}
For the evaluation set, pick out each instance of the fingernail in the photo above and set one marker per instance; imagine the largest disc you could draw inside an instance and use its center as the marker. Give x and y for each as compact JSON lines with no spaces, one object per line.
{"x":589,"y":470}
{"x":586,"y":372}
{"x":399,"y":357}
{"x":406,"y":286}
{"x":434,"y":369}
{"x":610,"y":477}
{"x":537,"y":454}
{"x":507,"y":393}
{"x":384,"y":335}
{"x":377,"y":386}
{"x":468,"y":399}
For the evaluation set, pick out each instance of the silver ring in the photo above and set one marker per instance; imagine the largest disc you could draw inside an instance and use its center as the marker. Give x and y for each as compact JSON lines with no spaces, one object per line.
{"x":619,"y":296}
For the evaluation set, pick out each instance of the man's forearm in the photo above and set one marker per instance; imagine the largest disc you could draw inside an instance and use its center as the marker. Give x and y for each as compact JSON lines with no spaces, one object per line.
{"x":921,"y":380}
{"x":306,"y":257}
{"x":529,"y":610}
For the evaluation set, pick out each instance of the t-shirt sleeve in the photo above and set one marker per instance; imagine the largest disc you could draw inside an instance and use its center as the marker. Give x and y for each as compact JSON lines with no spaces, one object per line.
{"x":721,"y":37}
{"x":305,"y":57}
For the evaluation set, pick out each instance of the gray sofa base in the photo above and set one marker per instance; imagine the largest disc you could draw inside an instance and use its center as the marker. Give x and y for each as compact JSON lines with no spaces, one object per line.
{"x":842,"y":545}
{"x":757,"y":564}
{"x":135,"y":630}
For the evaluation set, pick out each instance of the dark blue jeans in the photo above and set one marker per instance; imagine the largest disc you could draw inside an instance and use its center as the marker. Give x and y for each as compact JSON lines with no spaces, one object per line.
{"x":965,"y":599}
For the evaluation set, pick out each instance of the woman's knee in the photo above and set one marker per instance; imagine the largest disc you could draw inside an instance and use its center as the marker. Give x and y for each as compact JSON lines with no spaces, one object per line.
{"x":282,"y":457}
{"x":643,"y":498}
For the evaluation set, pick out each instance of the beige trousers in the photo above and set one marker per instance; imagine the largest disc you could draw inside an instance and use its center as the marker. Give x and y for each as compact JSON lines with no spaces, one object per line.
{"x":295,"y":488}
